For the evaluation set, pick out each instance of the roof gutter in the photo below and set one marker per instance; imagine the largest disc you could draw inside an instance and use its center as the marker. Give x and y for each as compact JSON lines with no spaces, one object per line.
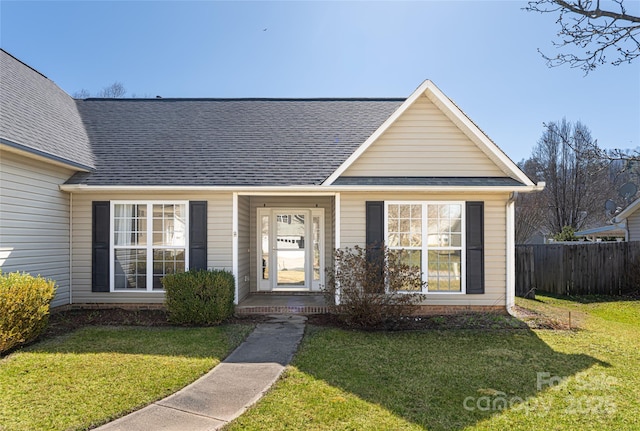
{"x":32,"y":153}
{"x":299,"y":190}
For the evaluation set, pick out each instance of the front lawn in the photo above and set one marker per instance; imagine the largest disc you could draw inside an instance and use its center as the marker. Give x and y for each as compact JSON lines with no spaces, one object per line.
{"x":493,"y":379}
{"x":92,"y":375}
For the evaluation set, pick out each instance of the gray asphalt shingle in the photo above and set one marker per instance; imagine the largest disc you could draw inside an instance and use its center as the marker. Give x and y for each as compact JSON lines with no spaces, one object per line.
{"x":225,"y":142}
{"x":36,"y":115}
{"x":195,"y":142}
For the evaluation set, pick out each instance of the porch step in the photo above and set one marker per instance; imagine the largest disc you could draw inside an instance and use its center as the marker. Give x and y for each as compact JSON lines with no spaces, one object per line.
{"x":281,"y":309}
{"x":282,"y":304}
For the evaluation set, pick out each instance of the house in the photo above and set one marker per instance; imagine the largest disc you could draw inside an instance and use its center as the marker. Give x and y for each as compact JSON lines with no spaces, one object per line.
{"x":629,"y":220}
{"x":597,"y":234}
{"x":106,"y":196}
{"x":624,"y":227}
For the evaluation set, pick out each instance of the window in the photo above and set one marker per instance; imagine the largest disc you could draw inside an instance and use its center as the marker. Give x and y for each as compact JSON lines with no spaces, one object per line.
{"x":149,"y":242}
{"x":429,"y":235}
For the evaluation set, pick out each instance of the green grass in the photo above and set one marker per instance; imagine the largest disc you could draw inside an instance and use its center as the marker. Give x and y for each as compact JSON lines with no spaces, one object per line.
{"x":348,"y":380}
{"x":96,"y":374}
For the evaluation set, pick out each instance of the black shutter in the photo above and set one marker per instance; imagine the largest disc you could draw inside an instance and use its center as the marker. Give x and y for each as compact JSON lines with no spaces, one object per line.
{"x":198,"y":235}
{"x":375,"y":238}
{"x":374,"y":230}
{"x":100,"y":246}
{"x":475,"y":247}
{"x":375,"y":224}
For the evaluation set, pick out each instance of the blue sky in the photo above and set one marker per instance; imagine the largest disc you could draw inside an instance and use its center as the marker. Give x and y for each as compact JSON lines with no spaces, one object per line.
{"x":482,"y":54}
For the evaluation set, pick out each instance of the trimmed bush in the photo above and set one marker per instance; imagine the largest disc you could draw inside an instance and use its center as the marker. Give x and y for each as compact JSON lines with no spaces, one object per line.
{"x":24,"y":308}
{"x":377,"y":286}
{"x":199,"y":297}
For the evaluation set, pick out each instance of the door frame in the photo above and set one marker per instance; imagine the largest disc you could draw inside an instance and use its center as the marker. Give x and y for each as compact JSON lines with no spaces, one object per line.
{"x":270,"y":285}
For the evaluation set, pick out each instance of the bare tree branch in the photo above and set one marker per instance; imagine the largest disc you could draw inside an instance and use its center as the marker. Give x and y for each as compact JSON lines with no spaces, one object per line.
{"x":113,"y":91}
{"x":577,"y":185}
{"x":593,"y":30}
{"x":81,"y":94}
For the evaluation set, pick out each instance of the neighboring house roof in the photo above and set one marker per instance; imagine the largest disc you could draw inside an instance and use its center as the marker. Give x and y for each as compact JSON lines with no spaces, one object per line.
{"x":225,"y":142}
{"x":37,"y":117}
{"x":630,"y":209}
{"x":603,"y":231}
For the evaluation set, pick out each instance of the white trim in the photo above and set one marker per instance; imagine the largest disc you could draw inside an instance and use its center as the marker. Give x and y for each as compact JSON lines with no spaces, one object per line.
{"x":32,"y":153}
{"x":271,"y":285}
{"x":234,"y":247}
{"x":633,"y":206}
{"x":511,"y":258}
{"x":337,"y":221}
{"x":261,"y":284}
{"x":424,"y":248}
{"x":299,"y":190}
{"x":455,"y":114}
{"x":316,"y":285}
{"x":149,"y":246}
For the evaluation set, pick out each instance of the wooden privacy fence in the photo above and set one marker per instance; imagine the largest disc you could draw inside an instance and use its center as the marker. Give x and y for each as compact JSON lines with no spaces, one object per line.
{"x":577,"y":269}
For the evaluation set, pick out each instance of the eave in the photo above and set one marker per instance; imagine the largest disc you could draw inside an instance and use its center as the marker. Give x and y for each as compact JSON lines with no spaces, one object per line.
{"x":299,"y":190}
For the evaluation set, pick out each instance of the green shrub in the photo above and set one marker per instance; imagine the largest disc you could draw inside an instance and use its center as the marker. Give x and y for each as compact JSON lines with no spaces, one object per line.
{"x":377,"y":286}
{"x":199,"y":297}
{"x":24,"y":308}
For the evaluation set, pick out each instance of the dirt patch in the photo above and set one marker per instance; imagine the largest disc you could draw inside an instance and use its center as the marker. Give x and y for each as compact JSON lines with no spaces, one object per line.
{"x":537,"y":320}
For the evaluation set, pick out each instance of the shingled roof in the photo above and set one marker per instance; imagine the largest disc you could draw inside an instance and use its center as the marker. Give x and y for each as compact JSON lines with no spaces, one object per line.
{"x":38,"y":117}
{"x":225,"y":142}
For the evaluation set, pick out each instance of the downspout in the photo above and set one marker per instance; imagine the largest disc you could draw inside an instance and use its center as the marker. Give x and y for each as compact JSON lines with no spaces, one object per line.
{"x":510,"y":250}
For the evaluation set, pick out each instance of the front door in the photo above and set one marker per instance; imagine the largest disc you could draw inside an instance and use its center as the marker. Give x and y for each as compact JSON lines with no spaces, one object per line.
{"x":290,"y":249}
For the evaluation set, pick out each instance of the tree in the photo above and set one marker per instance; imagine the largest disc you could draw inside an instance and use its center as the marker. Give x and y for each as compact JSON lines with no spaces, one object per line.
{"x":531,"y":214}
{"x":577,"y":186}
{"x":113,"y":91}
{"x":595,"y":31}
{"x":630,"y":158}
{"x":82,"y":94}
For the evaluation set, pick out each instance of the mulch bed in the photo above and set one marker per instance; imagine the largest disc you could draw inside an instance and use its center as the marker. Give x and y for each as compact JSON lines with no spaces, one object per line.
{"x":66,"y":321}
{"x":489,"y":321}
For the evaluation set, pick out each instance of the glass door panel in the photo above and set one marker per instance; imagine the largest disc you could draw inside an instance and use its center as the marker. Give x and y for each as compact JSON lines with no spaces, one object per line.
{"x":290,"y":249}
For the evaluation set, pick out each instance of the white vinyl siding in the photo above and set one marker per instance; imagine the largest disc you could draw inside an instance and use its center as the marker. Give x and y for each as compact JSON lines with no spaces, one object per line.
{"x":424,"y":142}
{"x":633,"y":226}
{"x":352,"y":232}
{"x":34,"y":221}
{"x":219,"y":233}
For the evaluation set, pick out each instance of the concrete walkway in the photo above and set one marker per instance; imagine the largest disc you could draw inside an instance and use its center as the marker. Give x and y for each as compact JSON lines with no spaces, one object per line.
{"x":229,"y":389}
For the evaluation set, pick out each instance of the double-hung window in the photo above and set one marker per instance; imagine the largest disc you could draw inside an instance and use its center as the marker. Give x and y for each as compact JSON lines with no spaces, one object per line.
{"x":431,"y":237}
{"x":149,"y":241}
